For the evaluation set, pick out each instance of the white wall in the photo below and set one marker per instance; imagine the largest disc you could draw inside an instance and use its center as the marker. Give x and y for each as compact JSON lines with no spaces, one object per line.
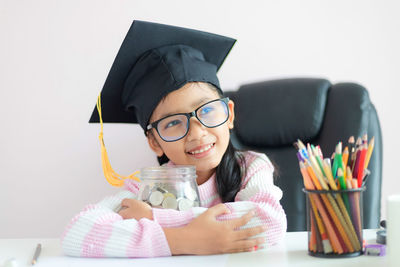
{"x":55,"y":56}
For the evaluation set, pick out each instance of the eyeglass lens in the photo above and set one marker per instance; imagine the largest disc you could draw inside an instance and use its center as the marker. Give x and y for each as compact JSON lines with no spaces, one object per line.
{"x":210,"y":115}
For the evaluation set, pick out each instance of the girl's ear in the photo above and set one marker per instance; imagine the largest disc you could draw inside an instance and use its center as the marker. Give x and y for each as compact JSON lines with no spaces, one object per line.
{"x":154,"y":145}
{"x":231,"y":106}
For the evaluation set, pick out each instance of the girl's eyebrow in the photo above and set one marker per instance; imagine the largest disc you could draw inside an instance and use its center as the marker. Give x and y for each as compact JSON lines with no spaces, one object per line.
{"x":194,"y":106}
{"x":201,"y":101}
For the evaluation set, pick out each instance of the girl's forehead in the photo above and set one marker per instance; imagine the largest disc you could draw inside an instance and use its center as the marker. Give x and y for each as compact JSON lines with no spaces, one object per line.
{"x":185,"y":99}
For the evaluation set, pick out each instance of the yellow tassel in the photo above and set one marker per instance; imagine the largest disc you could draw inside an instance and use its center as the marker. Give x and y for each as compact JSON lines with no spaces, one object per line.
{"x":112,"y":177}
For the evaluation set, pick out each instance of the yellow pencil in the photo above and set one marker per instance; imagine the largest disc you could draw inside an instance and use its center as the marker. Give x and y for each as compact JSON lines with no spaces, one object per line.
{"x":328,"y":172}
{"x":325,"y":241}
{"x":345,"y":156}
{"x":300,"y":144}
{"x":369,"y":152}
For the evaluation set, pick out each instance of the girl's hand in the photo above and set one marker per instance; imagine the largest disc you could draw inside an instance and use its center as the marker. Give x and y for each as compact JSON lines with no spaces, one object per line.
{"x":207,"y":235}
{"x":135,"y":209}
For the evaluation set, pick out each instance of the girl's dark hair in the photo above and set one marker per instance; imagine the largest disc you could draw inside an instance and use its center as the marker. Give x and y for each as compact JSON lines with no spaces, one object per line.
{"x":228,"y":173}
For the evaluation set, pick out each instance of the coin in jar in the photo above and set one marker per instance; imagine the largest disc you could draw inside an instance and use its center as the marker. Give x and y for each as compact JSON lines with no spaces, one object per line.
{"x":162,"y":190}
{"x":156,"y":198}
{"x":184,"y":204}
{"x":190,"y":193}
{"x":146,"y":193}
{"x":169,"y":202}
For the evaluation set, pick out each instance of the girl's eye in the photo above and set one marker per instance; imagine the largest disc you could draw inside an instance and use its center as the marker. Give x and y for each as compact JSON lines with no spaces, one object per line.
{"x":206,"y":110}
{"x":172,"y":123}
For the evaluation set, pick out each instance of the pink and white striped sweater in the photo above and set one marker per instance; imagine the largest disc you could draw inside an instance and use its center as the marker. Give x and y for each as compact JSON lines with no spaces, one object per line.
{"x":98,"y":231}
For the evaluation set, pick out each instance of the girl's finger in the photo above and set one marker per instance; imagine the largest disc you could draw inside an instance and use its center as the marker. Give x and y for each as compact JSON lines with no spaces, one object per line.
{"x":236,"y":223}
{"x":125,"y":202}
{"x":248,"y":244}
{"x":217,"y":210}
{"x":122,"y":213}
{"x":249,"y":232}
{"x":239,"y":250}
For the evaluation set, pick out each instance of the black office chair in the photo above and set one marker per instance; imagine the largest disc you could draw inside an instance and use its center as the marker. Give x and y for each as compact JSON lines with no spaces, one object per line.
{"x":271,"y":115}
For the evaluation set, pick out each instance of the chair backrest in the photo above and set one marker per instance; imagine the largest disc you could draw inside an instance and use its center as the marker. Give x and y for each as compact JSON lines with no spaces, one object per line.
{"x":270,"y":116}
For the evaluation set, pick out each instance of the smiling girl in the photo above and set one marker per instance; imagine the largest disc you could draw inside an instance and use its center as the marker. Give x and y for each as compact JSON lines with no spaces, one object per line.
{"x":164,"y":78}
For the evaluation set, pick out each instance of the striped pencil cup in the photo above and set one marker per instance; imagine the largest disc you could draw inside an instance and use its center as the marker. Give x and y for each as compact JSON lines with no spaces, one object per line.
{"x":334,"y":222}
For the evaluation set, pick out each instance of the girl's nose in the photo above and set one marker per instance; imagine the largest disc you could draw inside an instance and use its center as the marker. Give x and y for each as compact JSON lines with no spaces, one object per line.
{"x":196,"y":129}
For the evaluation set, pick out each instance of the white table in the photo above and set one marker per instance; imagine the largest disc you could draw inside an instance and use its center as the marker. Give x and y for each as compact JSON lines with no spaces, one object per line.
{"x":291,"y":252}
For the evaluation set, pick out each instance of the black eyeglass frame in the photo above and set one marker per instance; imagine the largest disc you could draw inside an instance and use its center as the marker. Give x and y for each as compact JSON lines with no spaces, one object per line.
{"x":189,"y":115}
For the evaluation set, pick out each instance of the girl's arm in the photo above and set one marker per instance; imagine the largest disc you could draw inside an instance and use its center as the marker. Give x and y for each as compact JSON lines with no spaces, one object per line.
{"x":258,"y":192}
{"x":98,"y":231}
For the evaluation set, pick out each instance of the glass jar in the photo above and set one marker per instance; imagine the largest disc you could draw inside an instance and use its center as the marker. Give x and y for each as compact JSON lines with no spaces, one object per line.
{"x":167,"y":187}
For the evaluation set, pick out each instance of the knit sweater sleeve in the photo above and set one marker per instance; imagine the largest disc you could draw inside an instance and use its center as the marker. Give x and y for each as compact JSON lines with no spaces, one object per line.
{"x":257,"y":193}
{"x":99,"y":231}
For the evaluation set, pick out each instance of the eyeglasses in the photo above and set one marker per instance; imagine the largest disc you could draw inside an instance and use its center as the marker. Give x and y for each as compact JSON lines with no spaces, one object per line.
{"x":174,"y":127}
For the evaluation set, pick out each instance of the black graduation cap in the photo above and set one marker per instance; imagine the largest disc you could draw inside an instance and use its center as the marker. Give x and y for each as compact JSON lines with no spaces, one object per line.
{"x":154,"y":60}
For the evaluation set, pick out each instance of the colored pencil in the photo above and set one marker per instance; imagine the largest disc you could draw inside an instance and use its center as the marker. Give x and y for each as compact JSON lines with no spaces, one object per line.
{"x":360,"y":172}
{"x":338,"y":160}
{"x":343,"y":186}
{"x":357,"y":224}
{"x":313,"y":238}
{"x":324,"y":238}
{"x":369,"y":152}
{"x":356,"y":162}
{"x":354,"y":205}
{"x":345,"y":156}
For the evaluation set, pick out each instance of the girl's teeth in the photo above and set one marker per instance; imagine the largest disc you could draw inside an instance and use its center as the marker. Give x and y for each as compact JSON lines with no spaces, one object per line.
{"x":201,"y":150}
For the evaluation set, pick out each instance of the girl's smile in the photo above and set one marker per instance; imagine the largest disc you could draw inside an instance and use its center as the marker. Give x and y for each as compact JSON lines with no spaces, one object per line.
{"x":202,"y":151}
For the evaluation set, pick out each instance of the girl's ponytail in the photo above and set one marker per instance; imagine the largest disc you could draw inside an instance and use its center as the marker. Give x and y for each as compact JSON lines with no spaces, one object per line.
{"x":229,"y":174}
{"x":163,"y":159}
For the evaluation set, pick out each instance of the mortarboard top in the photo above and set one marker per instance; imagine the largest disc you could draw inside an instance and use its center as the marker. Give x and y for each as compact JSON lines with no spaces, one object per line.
{"x":154,"y":60}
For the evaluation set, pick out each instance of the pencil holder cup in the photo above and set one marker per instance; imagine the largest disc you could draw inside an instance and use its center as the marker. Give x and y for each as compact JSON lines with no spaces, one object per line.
{"x":169,"y":187}
{"x":334,"y":222}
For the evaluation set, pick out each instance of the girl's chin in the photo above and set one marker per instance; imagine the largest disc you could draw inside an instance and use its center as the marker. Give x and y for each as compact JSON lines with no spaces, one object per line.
{"x":206,"y":165}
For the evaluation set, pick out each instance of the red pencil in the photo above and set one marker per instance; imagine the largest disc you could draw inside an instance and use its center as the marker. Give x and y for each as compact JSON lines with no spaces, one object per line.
{"x":361,"y":164}
{"x":356,"y":162}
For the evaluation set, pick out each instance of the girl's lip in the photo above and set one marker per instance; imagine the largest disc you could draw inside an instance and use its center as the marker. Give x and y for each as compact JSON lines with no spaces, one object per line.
{"x":199,"y":147}
{"x":202,"y":154}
